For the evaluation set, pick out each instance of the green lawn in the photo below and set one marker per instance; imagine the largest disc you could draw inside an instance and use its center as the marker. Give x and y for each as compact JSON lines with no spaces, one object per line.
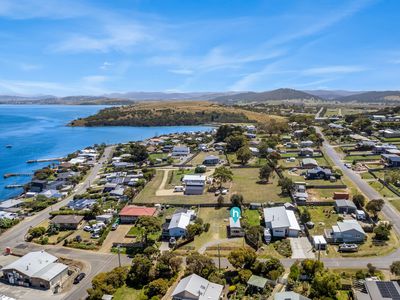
{"x":148,"y":194}
{"x":175,"y":177}
{"x":380,"y":188}
{"x":252,"y":216}
{"x":362,"y":157}
{"x":218,"y":219}
{"x":199,"y":158}
{"x":323,"y":217}
{"x":127,"y":293}
{"x":396,"y":204}
{"x":366,"y":175}
{"x":245,"y":183}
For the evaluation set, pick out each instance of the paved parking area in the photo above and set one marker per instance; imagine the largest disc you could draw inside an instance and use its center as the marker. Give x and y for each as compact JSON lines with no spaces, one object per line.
{"x":301,"y":248}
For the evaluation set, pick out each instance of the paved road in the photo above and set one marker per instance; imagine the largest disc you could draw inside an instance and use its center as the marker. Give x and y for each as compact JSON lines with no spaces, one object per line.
{"x":388,"y":210}
{"x":95,"y":262}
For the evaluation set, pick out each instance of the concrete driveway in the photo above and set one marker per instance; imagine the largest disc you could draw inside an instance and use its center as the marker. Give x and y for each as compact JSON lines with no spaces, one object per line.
{"x":301,"y":248}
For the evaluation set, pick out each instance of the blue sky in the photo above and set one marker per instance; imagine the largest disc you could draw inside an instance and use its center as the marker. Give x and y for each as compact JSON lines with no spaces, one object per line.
{"x":68,"y":47}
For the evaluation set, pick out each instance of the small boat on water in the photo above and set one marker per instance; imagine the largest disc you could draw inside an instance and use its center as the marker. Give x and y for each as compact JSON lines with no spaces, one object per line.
{"x":8,"y":146}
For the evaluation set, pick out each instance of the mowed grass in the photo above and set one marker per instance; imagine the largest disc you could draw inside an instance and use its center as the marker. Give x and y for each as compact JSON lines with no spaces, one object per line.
{"x":148,"y":194}
{"x":127,"y":293}
{"x":245,"y":183}
{"x":323,"y":217}
{"x":218,"y":219}
{"x":252,"y":216}
{"x":396,"y":204}
{"x":381,"y":189}
{"x":199,"y":158}
{"x":175,"y":177}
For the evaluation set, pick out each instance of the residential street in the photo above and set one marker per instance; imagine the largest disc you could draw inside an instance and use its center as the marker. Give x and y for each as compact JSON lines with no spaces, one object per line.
{"x":96,"y":262}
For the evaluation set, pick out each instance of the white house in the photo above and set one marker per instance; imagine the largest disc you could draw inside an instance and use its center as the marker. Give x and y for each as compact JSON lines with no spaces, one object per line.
{"x":194,"y":184}
{"x":194,"y":287}
{"x":179,"y":222}
{"x":281,"y":222}
{"x":180,"y":151}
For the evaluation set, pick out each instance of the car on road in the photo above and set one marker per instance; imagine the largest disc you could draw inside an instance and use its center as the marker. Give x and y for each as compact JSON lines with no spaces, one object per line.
{"x":79,"y":278}
{"x":114,"y":226}
{"x":347,"y":165}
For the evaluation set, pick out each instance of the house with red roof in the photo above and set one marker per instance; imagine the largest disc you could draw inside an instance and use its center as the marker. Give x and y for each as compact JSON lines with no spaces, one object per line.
{"x":130,"y":213}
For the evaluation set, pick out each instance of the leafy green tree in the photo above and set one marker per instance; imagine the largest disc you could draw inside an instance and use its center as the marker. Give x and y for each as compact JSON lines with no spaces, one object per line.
{"x":244,"y":155}
{"x":286,"y":184}
{"x":235,"y":142}
{"x":359,"y":200}
{"x":237,"y":200}
{"x":199,"y":264}
{"x":157,"y":287}
{"x":244,"y":275}
{"x":310,"y":267}
{"x":222,"y":175}
{"x":139,"y":274}
{"x":224,"y":131}
{"x":242,"y":258}
{"x":36,"y":232}
{"x":168,"y":264}
{"x":53,"y":229}
{"x":395,"y":268}
{"x":294,"y":271}
{"x":382,"y":231}
{"x":265,"y":172}
{"x":138,"y":152}
{"x":325,"y":284}
{"x":148,"y":225}
{"x":375,"y":206}
{"x":271,"y":268}
{"x":194,"y":229}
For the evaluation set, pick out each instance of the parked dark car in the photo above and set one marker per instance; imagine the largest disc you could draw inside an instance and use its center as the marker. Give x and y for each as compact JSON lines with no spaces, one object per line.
{"x":79,"y":278}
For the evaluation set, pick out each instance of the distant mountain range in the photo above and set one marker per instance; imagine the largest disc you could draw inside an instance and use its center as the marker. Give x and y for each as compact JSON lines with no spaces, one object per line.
{"x":283,"y":94}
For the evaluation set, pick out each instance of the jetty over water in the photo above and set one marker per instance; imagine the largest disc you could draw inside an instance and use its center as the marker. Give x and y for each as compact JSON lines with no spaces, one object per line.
{"x":7,"y":175}
{"x":44,"y":160}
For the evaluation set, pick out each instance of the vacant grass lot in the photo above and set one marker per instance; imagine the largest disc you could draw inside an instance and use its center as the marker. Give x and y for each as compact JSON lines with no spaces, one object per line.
{"x":323,"y":217}
{"x":245,"y":183}
{"x":366,"y":175}
{"x":322,"y":194}
{"x":218,"y":219}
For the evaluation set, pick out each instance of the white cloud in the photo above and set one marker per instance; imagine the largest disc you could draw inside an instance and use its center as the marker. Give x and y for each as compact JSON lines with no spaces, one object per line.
{"x":105,"y":65}
{"x":29,"y":67}
{"x":181,"y":71}
{"x":333,"y":70}
{"x":32,"y":87}
{"x":29,"y":9}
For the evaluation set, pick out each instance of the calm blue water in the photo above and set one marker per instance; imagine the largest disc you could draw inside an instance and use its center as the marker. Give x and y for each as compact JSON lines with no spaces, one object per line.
{"x":38,"y":131}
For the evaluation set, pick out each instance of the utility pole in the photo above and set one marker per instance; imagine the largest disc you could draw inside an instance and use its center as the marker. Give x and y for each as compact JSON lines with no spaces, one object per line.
{"x":119,"y":255}
{"x":219,"y":259}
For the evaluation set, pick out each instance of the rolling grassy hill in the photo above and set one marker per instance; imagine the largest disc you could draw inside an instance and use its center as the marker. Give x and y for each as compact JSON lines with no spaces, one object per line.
{"x":173,"y":114}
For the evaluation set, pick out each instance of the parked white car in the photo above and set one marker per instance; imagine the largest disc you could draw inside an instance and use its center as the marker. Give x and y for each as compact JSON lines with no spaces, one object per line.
{"x":87,"y":228}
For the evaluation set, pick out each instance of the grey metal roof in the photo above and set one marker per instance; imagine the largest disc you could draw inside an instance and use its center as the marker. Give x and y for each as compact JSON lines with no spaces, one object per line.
{"x":289,"y":296}
{"x":277,"y":216}
{"x":350,"y":225}
{"x":37,"y":262}
{"x":257,"y":281}
{"x":345,"y":203}
{"x":199,"y":287}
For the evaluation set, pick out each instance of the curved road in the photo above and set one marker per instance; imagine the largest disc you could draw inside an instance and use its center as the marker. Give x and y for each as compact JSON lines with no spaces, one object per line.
{"x":95,"y":262}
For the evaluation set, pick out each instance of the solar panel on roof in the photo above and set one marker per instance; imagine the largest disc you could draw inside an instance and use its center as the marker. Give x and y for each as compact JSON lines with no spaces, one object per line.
{"x":388,"y":290}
